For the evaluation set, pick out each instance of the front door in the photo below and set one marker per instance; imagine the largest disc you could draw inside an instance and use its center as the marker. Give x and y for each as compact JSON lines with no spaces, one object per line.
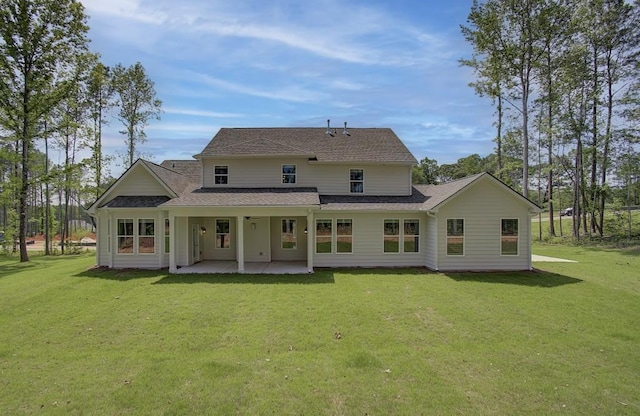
{"x":257,"y":247}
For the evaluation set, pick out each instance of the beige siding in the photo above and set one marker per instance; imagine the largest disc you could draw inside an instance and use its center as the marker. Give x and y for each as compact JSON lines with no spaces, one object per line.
{"x":138,"y":182}
{"x":208,"y":241}
{"x":182,"y":244}
{"x":368,"y":245}
{"x":102,"y":238}
{"x":280,"y":254}
{"x":431,"y":242}
{"x":136,"y":260}
{"x":329,"y":179}
{"x":482,"y":207}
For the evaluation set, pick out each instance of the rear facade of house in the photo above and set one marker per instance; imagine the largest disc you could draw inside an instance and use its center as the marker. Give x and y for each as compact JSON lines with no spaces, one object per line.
{"x":322,"y":197}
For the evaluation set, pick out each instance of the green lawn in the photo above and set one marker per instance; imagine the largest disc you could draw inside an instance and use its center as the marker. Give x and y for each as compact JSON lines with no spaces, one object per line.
{"x":564,"y":339}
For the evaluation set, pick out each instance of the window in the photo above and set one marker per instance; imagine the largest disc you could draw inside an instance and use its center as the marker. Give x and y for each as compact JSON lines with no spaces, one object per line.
{"x":288,"y":173}
{"x":146,"y":236}
{"x":221,"y":175}
{"x":509,"y":237}
{"x":288,"y":238}
{"x":411,"y":236}
{"x":344,"y":231}
{"x":391,"y":236}
{"x":167,"y":229}
{"x":356,"y":181}
{"x":323,"y":236}
{"x":223,"y":239}
{"x":125,"y":236}
{"x":455,"y":237}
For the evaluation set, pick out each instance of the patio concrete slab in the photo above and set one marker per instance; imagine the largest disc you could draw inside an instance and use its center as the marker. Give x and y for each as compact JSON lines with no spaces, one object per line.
{"x":535,"y":257}
{"x":275,"y":267}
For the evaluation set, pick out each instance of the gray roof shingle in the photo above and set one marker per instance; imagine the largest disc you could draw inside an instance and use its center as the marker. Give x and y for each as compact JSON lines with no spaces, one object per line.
{"x":189,"y":168}
{"x":174,"y":180}
{"x":137,"y":201}
{"x":363,"y":145}
{"x":234,"y":197}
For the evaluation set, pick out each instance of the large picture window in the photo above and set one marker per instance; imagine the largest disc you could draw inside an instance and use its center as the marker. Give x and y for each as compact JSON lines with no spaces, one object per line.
{"x":288,"y":174}
{"x":356,"y":181}
{"x":411,"y":236}
{"x":324,"y":233}
{"x":455,"y":237}
{"x":509,"y":237}
{"x":221,"y":174}
{"x":344,"y":232}
{"x":146,"y":236}
{"x":391,"y":236}
{"x":289,"y":235}
{"x":222,"y":233}
{"x":125,"y":236}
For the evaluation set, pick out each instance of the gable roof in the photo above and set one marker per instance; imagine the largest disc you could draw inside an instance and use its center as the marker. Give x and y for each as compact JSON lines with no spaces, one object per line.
{"x":360,"y":145}
{"x":443,"y":193}
{"x":173,"y":182}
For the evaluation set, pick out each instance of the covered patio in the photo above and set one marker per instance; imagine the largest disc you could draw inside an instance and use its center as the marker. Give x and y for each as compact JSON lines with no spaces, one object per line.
{"x":222,"y":267}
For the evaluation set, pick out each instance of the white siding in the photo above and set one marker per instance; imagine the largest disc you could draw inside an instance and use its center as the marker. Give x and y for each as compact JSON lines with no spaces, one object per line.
{"x":102,"y":237}
{"x":483,"y":207}
{"x":368,"y":243}
{"x":208,"y":241}
{"x":329,"y":179}
{"x":183,"y":244}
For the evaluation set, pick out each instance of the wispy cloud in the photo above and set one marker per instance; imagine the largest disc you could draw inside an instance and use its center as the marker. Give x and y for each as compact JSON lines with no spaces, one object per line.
{"x":200,"y":113}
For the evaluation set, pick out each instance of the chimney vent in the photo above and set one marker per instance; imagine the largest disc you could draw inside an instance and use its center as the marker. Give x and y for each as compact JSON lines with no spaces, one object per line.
{"x":345,"y":131}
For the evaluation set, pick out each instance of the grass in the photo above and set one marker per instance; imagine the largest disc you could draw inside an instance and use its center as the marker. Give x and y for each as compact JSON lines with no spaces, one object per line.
{"x":561,"y":339}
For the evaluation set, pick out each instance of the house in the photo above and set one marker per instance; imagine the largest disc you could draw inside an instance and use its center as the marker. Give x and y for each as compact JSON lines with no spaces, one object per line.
{"x":321,"y":197}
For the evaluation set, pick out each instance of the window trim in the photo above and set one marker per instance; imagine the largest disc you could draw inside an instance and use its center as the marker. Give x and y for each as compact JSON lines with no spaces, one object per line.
{"x":109,"y":235}
{"x":228,"y":234}
{"x":517,"y":253}
{"x":352,"y":181}
{"x":337,"y":235}
{"x":132,"y":236}
{"x":294,"y":174}
{"x":139,"y":236}
{"x":464,"y":239}
{"x":384,"y":236}
{"x":315,"y":243}
{"x":294,"y":234}
{"x":404,"y":220}
{"x":167,"y":236}
{"x":221,"y":175}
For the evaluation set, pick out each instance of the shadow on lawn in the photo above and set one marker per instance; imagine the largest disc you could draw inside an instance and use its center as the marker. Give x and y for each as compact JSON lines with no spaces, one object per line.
{"x":263,"y":279}
{"x":537,"y":278}
{"x":120,"y":275}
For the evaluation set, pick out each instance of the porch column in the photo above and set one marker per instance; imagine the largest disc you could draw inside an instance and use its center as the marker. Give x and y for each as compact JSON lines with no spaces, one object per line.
{"x":311,"y":241}
{"x":240,"y":243}
{"x":172,"y":243}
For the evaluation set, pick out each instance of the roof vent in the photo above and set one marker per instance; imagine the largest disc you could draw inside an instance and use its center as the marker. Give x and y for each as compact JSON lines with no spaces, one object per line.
{"x":328,"y":126}
{"x":345,"y":131}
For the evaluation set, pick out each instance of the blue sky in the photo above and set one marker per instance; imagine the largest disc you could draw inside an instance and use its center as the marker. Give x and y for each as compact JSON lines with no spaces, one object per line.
{"x":298,"y":63}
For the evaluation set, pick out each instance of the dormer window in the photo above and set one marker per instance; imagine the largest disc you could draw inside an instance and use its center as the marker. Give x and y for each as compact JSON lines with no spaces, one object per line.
{"x":288,"y":174}
{"x":221,"y":175}
{"x":356,"y":181}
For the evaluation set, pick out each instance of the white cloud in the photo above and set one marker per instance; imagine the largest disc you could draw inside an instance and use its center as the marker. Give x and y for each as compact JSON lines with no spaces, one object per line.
{"x":199,"y":113}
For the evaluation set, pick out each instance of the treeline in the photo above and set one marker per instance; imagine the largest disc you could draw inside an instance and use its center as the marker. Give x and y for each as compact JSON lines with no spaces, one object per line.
{"x":55,"y":93}
{"x":563,"y":77}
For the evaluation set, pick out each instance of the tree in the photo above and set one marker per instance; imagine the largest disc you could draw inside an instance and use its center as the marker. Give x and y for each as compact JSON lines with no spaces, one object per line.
{"x":137,"y":102}
{"x":100,"y":97}
{"x":426,"y":172}
{"x":38,"y":38}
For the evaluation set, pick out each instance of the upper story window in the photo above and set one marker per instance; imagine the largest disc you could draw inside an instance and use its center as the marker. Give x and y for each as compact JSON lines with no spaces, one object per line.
{"x":288,"y":173}
{"x":356,"y":181}
{"x":221,"y":174}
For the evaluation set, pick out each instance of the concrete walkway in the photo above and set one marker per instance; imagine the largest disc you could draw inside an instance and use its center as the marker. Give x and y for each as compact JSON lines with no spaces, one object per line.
{"x":535,"y":257}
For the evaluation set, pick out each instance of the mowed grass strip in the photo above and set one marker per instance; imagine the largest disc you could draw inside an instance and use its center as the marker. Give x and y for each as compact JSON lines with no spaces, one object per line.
{"x":563,"y":338}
